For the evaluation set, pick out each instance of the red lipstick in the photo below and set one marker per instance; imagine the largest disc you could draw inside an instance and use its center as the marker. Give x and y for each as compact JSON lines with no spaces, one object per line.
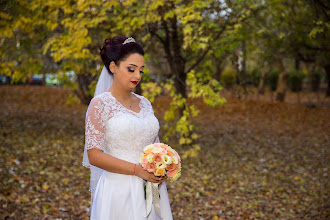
{"x":135,"y":82}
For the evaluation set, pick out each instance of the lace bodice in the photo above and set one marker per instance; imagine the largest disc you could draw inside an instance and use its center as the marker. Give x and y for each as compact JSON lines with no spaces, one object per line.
{"x":119,"y":131}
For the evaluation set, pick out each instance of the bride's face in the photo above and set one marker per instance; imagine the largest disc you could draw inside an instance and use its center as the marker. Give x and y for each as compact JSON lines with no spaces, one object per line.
{"x":129,"y":71}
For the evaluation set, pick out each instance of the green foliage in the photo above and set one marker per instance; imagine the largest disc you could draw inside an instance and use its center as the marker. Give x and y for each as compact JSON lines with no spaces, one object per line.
{"x":295,"y":80}
{"x":183,"y":125}
{"x":201,"y":87}
{"x":68,"y":35}
{"x":150,"y":90}
{"x":291,"y":29}
{"x":228,"y":77}
{"x":207,"y":89}
{"x":272,"y":79}
{"x":253,"y":76}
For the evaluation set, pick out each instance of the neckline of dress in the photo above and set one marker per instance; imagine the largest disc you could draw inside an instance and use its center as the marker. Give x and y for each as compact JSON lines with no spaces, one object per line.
{"x":110,"y":93}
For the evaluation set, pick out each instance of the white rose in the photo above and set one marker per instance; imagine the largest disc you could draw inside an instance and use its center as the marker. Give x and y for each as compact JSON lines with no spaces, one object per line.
{"x":156,"y":150}
{"x":148,"y":147}
{"x":166,"y":159}
{"x":150,"y":158}
{"x":175,"y":160}
{"x":161,"y":165}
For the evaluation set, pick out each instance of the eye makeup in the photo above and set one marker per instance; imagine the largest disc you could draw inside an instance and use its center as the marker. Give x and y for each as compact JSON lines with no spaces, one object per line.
{"x":131,"y":70}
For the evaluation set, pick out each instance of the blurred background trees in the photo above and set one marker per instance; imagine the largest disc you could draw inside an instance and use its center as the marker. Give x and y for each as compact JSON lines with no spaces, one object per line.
{"x":253,"y":37}
{"x":194,"y":48}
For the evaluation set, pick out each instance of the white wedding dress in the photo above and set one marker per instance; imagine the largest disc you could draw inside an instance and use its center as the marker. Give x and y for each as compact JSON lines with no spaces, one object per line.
{"x":122,"y":133}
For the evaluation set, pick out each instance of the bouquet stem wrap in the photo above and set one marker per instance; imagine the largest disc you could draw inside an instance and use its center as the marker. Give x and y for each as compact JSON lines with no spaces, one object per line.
{"x":152,"y":196}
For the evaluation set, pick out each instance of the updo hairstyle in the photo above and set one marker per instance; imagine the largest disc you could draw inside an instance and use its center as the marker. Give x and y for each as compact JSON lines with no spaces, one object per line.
{"x":114,"y":50}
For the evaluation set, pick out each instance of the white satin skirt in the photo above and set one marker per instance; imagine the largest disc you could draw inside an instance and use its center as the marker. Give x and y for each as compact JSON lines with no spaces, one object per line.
{"x":122,"y":197}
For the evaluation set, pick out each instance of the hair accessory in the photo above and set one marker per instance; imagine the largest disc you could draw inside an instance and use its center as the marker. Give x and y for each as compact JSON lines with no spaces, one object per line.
{"x":129,"y":40}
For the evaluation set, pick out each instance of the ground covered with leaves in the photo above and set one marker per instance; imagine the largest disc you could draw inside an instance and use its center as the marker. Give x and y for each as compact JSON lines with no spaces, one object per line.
{"x":259,"y":160}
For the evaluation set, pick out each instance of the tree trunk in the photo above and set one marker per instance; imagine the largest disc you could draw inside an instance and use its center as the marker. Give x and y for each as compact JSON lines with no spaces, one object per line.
{"x":8,"y":80}
{"x":235,"y":63}
{"x":262,"y":83}
{"x":179,"y":63}
{"x":218,"y":72}
{"x":243,"y":71}
{"x":281,"y":86}
{"x":282,"y":83}
{"x":82,"y":91}
{"x":180,"y":80}
{"x":297,"y":64}
{"x":327,"y":70}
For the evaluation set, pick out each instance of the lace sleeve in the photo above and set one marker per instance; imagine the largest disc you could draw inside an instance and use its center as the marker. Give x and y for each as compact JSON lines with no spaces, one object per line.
{"x":95,"y":125}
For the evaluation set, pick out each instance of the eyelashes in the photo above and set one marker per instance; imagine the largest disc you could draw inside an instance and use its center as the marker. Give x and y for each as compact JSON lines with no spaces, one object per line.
{"x":132,"y":71}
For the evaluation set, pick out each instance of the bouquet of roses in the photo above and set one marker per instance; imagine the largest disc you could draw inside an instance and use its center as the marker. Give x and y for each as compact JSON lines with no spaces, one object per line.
{"x":162,"y":160}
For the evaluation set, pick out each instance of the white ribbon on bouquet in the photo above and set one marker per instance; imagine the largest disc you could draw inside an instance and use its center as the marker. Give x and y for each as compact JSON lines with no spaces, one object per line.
{"x":152,"y":196}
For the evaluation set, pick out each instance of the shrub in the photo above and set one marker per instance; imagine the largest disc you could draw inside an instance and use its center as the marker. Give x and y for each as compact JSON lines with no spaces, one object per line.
{"x":295,"y":80}
{"x":228,"y":77}
{"x":253,"y":76}
{"x":314,"y":79}
{"x":273,"y":79}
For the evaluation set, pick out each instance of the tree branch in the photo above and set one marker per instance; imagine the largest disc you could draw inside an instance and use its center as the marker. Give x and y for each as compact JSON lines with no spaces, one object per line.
{"x":215,"y":39}
{"x":153,"y":33}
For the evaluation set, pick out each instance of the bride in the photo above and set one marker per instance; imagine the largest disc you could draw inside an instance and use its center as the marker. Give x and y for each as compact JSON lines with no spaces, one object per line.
{"x":119,"y":124}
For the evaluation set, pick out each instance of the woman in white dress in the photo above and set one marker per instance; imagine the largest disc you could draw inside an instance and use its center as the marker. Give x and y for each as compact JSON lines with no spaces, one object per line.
{"x":119,"y":124}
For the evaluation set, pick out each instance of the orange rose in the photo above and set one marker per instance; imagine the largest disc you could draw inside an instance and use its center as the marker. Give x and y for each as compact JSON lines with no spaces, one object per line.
{"x":160,"y":172}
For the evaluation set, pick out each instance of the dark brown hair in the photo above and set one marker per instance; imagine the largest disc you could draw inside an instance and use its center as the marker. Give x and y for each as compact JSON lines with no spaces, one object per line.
{"x":114,"y":50}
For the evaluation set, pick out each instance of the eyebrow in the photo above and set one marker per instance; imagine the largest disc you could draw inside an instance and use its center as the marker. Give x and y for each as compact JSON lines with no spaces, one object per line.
{"x":135,"y":65}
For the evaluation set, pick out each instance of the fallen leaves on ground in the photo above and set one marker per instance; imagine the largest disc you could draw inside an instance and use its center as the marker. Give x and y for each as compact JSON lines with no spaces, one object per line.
{"x":258,"y":160}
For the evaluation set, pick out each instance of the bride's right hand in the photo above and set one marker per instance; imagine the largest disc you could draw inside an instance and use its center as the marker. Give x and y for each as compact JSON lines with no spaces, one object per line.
{"x":140,"y":172}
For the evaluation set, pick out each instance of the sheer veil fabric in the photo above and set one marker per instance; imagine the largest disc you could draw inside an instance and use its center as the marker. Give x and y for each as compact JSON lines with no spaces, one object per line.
{"x":103,"y":84}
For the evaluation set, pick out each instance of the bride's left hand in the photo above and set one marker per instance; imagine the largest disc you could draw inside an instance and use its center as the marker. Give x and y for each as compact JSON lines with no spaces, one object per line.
{"x":163,"y":180}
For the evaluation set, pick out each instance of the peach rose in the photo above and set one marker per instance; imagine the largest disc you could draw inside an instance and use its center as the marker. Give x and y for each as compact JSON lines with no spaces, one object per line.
{"x":171,"y":173}
{"x":157,"y":158}
{"x":164,"y":146}
{"x":171,"y":167}
{"x":175,"y":176}
{"x":157,"y":144}
{"x":144,"y":162}
{"x":178,"y":165}
{"x":164,"y":151}
{"x":151,"y":167}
